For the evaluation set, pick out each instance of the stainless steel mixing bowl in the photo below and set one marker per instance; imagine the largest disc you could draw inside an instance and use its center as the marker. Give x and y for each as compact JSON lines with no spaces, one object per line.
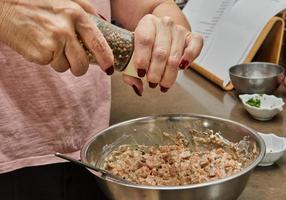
{"x":256,"y":77}
{"x":148,"y":131}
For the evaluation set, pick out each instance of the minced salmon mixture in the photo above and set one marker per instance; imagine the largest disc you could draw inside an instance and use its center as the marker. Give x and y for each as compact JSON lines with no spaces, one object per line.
{"x":176,"y":164}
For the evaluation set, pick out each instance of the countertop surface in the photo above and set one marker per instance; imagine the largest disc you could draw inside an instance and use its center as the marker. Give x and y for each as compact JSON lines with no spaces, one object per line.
{"x":194,"y":94}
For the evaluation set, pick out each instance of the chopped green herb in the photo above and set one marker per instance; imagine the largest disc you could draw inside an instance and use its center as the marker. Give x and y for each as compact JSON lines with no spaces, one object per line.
{"x":254,"y":102}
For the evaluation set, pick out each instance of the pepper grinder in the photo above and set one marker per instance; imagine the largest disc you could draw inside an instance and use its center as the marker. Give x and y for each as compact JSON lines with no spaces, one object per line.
{"x":121,"y":41}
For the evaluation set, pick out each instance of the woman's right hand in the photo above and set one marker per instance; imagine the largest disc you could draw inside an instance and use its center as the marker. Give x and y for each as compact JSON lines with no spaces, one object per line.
{"x":46,"y":31}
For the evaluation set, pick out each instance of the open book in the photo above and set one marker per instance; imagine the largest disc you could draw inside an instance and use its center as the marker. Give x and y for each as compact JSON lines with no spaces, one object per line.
{"x":234,"y":31}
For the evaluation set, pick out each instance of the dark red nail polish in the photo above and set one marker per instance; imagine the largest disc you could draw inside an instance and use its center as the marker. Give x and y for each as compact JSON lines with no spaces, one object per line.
{"x":184,"y":64}
{"x":141,"y":72}
{"x":153,"y":85}
{"x":109,"y":71}
{"x":164,"y":89}
{"x":102,"y":17}
{"x":136,"y":90}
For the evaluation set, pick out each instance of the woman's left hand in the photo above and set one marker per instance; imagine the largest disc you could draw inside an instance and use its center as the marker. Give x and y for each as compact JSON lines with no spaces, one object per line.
{"x":161,"y":49}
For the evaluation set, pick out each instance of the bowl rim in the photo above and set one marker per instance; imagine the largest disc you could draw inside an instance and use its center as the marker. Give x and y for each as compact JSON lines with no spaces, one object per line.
{"x":191,"y":186}
{"x":255,"y":63}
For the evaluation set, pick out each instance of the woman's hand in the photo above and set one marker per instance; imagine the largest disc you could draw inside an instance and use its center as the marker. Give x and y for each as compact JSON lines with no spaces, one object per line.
{"x":161,"y":49}
{"x":45,"y":32}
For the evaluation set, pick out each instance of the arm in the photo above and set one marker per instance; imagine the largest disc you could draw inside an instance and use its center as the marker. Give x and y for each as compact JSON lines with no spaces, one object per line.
{"x":139,"y":8}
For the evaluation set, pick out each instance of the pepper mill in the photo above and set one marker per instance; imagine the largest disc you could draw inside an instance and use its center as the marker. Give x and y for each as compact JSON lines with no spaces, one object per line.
{"x":121,"y":41}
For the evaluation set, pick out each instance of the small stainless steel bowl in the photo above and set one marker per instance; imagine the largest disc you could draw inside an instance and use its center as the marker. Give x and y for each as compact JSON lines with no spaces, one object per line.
{"x":149,"y":131}
{"x":256,"y":77}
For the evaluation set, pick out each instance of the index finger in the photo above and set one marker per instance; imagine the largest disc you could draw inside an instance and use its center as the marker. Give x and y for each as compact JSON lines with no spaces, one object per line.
{"x":87,"y":6}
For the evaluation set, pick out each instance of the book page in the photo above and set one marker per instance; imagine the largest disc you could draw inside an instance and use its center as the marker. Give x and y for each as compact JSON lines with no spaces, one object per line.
{"x":234,"y":33}
{"x":204,"y":15}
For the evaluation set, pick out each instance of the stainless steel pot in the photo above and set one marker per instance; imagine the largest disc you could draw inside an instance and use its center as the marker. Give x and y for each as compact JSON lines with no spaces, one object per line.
{"x":148,"y":131}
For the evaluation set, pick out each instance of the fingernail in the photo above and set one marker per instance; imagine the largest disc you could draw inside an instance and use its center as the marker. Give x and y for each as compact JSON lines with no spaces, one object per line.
{"x":109,"y":71}
{"x":164,"y":89}
{"x":136,"y":90}
{"x":153,"y":85}
{"x":184,"y":64}
{"x":102,"y":17}
{"x":141,"y":72}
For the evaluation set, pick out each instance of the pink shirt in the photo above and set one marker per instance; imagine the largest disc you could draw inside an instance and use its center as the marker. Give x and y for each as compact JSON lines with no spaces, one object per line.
{"x":43,"y":112}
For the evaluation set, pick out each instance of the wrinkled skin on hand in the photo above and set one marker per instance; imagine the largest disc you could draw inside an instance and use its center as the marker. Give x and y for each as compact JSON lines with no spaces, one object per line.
{"x":46,"y":31}
{"x":162,"y":48}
